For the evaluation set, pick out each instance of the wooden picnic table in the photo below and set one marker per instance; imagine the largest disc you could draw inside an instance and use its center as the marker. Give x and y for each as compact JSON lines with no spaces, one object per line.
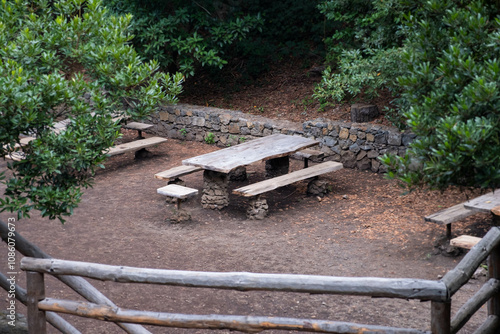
{"x":485,"y":202}
{"x":274,"y":149}
{"x":265,"y":148}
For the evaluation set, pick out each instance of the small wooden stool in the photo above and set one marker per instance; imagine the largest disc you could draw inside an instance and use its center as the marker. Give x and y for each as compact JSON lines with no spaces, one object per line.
{"x":177,"y":191}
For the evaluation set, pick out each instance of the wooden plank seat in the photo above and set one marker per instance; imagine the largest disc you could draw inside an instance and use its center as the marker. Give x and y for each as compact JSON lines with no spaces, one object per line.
{"x":139,"y":127}
{"x":450,"y":215}
{"x":178,"y":192}
{"x":135,"y":145}
{"x":283,"y":180}
{"x":176,"y":172}
{"x":307,"y":154}
{"x":465,"y":241}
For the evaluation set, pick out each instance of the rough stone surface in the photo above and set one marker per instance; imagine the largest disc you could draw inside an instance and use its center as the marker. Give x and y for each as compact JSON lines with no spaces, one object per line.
{"x":257,"y":209}
{"x":179,"y":216}
{"x":363,"y":112}
{"x":317,"y":187}
{"x":335,"y":137}
{"x":215,"y":194}
{"x":238,"y":174}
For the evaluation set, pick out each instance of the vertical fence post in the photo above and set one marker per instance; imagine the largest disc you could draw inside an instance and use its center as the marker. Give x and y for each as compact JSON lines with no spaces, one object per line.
{"x":440,"y":317}
{"x":494,"y":272}
{"x":35,"y":292}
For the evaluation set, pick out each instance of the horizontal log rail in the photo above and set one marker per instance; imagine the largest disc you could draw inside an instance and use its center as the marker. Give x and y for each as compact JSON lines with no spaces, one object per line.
{"x":360,"y":286}
{"x":53,"y":318}
{"x":488,"y":290}
{"x":438,"y":292}
{"x":78,"y":284}
{"x":461,"y":274}
{"x":249,"y":324}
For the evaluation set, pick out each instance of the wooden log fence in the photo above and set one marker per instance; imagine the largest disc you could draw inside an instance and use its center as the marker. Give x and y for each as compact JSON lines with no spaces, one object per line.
{"x":440,"y":294}
{"x":78,"y":284}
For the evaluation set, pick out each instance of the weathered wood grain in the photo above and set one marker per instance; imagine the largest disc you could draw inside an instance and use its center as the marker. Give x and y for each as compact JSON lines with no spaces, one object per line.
{"x":178,"y":171}
{"x":135,"y":145}
{"x":459,"y":275}
{"x":54,"y":319}
{"x":137,"y":126}
{"x":490,"y":288}
{"x":35,"y":292}
{"x":177,"y":191}
{"x":255,"y":150}
{"x":465,"y":241}
{"x":249,"y":324}
{"x":490,"y":326}
{"x":283,"y":180}
{"x":406,"y":288}
{"x":450,"y":215}
{"x":485,"y":202}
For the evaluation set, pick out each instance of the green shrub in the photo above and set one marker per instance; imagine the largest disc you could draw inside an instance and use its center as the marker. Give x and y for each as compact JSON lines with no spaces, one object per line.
{"x":67,"y":59}
{"x":451,"y":91}
{"x":182,"y":35}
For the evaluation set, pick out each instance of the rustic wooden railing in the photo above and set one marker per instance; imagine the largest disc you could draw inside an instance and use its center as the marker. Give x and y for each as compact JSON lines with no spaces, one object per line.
{"x":440,"y":294}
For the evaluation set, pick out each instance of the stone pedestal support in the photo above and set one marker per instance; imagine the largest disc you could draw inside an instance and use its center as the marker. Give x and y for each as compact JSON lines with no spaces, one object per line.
{"x":215,"y":193}
{"x":257,"y":208}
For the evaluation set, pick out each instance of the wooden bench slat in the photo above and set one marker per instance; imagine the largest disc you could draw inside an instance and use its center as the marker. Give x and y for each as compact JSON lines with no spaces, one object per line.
{"x":135,"y":145}
{"x":308,"y":153}
{"x":137,"y":126}
{"x":283,"y":180}
{"x":177,"y":191}
{"x":176,"y":172}
{"x":450,"y":215}
{"x":465,"y":241}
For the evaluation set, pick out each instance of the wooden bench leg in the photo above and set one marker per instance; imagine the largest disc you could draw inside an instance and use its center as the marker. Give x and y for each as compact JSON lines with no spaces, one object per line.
{"x":448,"y":231}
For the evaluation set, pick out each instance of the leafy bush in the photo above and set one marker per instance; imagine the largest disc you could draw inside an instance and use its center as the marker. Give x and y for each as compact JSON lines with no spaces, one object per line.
{"x":364,"y":52}
{"x":358,"y":74}
{"x":67,"y":59}
{"x":183,"y":35}
{"x":451,"y":89}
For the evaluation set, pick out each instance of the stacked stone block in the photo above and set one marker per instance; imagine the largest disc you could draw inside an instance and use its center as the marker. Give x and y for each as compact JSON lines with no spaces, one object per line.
{"x":356,"y":145}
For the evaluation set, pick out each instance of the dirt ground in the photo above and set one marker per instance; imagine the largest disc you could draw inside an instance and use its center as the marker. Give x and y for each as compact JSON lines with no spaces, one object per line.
{"x":364,"y":227}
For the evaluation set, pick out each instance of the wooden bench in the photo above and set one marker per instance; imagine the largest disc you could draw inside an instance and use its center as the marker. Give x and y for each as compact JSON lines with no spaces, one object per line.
{"x":465,"y":241}
{"x":283,"y":180}
{"x":176,"y":172}
{"x":139,"y":127}
{"x":178,"y":192}
{"x":450,"y":215}
{"x":135,"y":145}
{"x":307,"y":154}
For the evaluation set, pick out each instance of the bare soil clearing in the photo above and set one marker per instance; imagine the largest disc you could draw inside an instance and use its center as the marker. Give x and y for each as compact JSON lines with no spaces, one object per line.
{"x":364,"y":227}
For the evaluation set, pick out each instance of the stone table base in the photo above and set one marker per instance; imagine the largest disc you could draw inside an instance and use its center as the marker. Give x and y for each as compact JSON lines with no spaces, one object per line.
{"x":257,"y":209}
{"x":215,"y":194}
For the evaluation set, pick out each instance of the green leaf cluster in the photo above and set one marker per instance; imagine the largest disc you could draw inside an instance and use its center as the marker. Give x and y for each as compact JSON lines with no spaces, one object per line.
{"x":452,"y":95}
{"x":183,"y":35}
{"x":364,"y":52}
{"x":68,"y":59}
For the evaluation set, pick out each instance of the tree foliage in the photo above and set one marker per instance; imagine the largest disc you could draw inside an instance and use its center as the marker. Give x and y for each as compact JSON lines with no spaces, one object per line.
{"x":182,"y":35}
{"x":364,"y":52}
{"x":67,"y":59}
{"x":451,"y":89}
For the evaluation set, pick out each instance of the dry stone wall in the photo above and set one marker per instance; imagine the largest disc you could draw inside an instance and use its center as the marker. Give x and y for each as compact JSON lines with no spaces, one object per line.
{"x":356,"y":145}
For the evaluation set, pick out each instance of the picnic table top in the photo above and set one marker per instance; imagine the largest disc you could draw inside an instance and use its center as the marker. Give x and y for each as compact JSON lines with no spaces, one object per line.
{"x":485,"y":202}
{"x":269,"y":147}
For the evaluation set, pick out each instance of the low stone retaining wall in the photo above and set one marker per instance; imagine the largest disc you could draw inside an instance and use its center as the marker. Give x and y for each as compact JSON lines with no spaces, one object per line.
{"x":356,"y":145}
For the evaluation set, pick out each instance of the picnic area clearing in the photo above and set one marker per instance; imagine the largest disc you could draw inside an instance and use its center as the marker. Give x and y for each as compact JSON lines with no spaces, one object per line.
{"x":364,"y":227}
